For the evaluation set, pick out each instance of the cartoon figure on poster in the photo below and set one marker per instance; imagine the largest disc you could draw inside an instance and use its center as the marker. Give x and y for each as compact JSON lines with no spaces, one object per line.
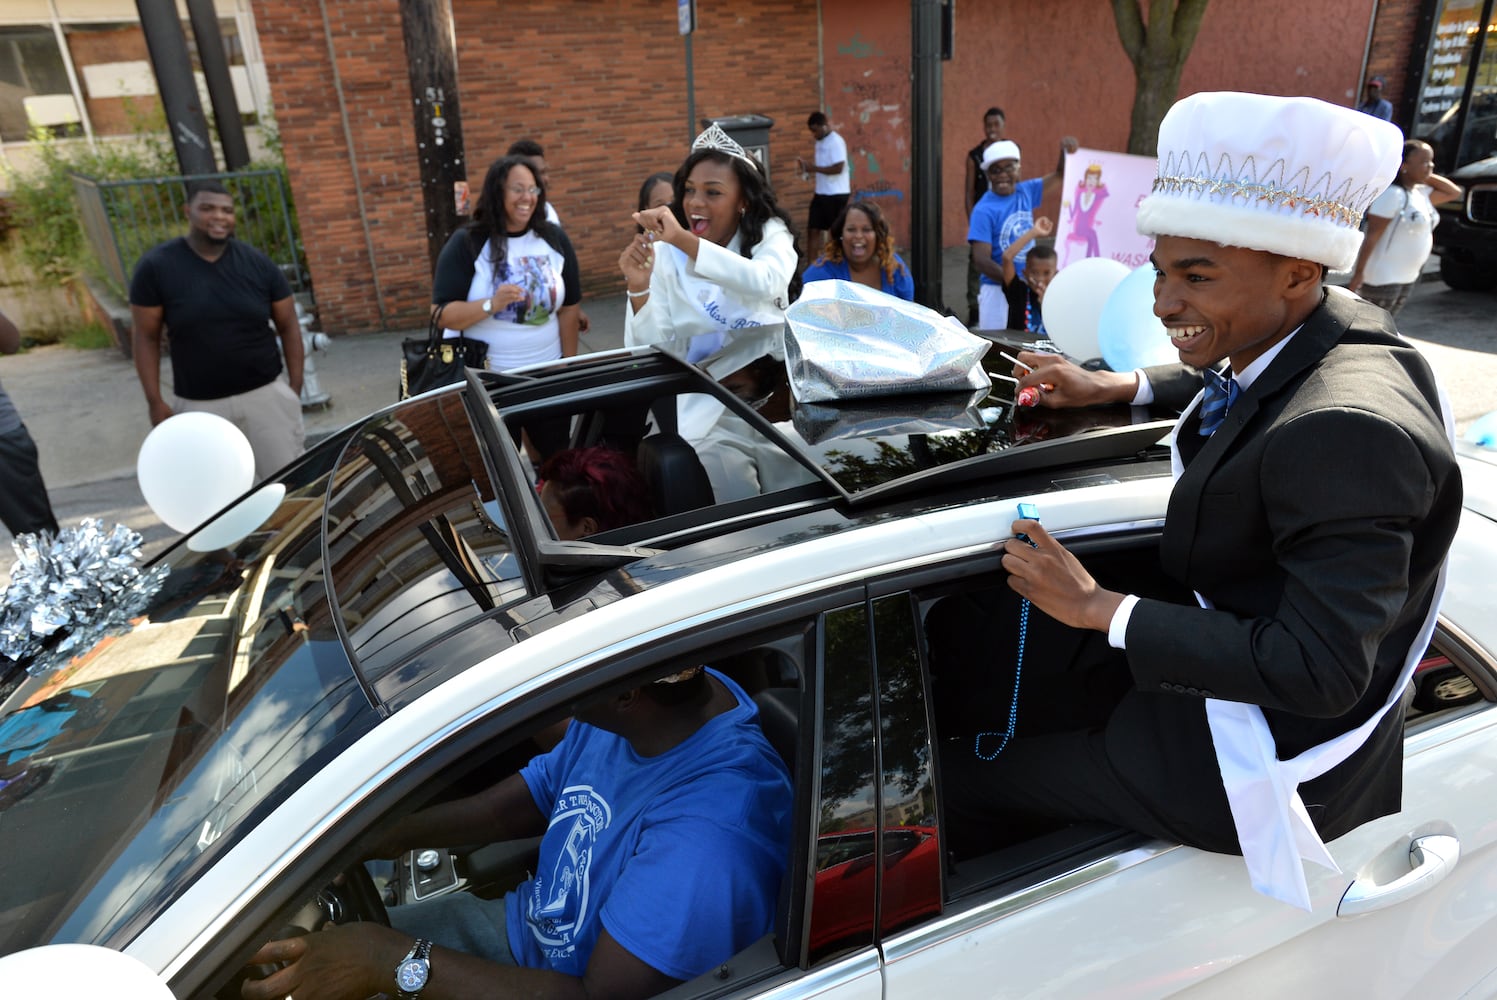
{"x":1091,"y":208}
{"x":1084,"y":206}
{"x":538,"y":278}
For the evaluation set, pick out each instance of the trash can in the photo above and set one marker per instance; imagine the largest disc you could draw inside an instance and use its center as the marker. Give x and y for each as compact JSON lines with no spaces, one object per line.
{"x":749,"y":131}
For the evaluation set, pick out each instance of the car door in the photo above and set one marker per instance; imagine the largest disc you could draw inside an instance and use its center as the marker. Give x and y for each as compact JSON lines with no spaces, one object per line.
{"x":1103,"y":913}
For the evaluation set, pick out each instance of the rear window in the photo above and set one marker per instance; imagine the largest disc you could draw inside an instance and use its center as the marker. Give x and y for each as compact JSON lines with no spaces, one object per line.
{"x":418,"y":548}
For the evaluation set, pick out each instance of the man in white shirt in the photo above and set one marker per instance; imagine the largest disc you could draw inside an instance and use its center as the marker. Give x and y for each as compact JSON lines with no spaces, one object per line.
{"x":833,"y":182}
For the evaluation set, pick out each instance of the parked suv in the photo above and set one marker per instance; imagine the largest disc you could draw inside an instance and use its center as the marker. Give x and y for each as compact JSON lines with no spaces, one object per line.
{"x":1466,"y":238}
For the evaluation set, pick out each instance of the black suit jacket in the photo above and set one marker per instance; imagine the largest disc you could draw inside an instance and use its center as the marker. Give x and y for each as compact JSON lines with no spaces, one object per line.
{"x":1315,"y":520}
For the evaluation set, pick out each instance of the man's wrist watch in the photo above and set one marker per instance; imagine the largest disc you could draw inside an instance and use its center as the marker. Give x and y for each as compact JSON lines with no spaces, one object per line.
{"x":488,"y":305}
{"x":414,"y":970}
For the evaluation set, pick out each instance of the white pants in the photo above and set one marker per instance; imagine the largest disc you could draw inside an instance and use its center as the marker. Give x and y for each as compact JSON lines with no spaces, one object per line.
{"x":992,"y":308}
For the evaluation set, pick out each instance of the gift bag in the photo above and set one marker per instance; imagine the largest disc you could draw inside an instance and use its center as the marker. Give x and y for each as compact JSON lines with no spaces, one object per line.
{"x":431,"y":361}
{"x":844,"y":340}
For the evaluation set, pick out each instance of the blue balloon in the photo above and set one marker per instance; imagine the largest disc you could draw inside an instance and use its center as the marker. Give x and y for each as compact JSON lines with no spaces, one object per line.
{"x":1129,"y":334}
{"x":1484,"y":431}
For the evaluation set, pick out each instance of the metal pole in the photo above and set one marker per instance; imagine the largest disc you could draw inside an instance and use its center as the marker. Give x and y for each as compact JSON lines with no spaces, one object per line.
{"x":691,"y":96}
{"x":179,"y":93}
{"x":431,"y":61}
{"x":215,"y":62}
{"x":925,"y":163}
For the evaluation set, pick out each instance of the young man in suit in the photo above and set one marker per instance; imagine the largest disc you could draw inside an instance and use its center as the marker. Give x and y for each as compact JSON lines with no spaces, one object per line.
{"x":1316,"y":496}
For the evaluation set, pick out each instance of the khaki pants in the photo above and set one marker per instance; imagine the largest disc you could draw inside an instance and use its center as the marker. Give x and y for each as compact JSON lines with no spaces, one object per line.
{"x":269,"y":416}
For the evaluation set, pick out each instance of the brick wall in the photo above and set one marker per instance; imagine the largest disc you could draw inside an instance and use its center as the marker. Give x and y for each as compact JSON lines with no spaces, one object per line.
{"x":125,"y":43}
{"x":1394,"y":41}
{"x":600,"y":83}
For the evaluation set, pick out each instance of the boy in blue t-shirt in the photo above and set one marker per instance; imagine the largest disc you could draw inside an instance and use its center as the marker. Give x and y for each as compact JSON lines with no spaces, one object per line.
{"x":1000,"y":217}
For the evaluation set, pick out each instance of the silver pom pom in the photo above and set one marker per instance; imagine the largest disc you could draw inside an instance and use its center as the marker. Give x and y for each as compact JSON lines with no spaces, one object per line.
{"x":67,"y":593}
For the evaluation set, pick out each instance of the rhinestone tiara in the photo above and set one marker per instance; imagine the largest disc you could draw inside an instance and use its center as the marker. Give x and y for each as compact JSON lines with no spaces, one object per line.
{"x":715,"y":139}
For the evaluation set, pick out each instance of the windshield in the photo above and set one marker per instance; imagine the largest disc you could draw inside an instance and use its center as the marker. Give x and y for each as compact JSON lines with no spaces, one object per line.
{"x":128,"y":769}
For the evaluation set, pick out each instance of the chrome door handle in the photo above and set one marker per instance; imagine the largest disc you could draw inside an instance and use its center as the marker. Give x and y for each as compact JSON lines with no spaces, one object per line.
{"x":1430,"y":860}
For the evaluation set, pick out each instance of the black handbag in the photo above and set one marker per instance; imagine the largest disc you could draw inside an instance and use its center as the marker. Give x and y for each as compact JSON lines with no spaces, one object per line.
{"x":431,"y":361}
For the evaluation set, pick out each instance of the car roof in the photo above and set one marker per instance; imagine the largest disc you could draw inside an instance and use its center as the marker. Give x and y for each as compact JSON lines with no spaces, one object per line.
{"x":873,"y":458}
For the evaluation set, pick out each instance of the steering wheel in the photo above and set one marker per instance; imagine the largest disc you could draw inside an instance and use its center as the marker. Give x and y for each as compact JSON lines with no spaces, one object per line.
{"x":353,"y":898}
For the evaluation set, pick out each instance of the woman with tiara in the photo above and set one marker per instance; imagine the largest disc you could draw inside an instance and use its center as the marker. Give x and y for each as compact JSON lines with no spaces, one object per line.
{"x":719,"y":258}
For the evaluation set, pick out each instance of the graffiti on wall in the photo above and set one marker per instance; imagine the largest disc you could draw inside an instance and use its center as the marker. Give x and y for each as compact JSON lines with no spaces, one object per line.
{"x":871,"y":116}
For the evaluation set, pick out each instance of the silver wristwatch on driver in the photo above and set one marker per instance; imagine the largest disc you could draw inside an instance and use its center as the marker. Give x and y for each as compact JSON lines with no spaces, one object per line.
{"x":414,"y":970}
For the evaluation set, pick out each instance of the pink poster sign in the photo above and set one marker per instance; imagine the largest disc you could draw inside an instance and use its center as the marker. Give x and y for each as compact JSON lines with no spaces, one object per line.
{"x":1099,"y":200}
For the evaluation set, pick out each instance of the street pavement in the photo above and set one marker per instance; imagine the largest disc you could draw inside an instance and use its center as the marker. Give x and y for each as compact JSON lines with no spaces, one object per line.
{"x":88,"y":417}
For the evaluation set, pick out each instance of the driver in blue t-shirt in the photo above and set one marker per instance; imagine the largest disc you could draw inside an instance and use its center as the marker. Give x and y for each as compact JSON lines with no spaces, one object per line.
{"x":666,"y":820}
{"x":999,"y":218}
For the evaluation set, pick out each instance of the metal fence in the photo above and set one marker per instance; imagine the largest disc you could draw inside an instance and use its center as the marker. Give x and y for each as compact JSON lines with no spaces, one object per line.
{"x":124,"y":219}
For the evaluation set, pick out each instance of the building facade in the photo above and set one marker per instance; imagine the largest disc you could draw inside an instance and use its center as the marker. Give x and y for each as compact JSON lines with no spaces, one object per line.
{"x":602,"y":84}
{"x":79,"y":71}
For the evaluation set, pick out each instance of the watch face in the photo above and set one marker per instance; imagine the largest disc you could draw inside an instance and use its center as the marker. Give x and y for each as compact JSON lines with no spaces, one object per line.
{"x":411,"y":975}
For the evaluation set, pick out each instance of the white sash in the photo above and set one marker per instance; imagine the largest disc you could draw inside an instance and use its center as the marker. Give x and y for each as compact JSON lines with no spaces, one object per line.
{"x":1273,"y":828}
{"x":715,"y":310}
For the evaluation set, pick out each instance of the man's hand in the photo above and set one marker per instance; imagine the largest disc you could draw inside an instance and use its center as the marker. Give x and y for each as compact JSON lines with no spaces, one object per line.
{"x":351,"y":962}
{"x":160,"y":410}
{"x":1054,"y":580}
{"x":1063,"y":384}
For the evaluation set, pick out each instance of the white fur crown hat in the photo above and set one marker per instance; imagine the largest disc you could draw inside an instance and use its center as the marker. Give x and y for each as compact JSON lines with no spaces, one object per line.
{"x":1290,"y":175}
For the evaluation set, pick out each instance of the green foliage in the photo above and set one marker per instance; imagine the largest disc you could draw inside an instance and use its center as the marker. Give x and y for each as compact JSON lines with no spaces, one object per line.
{"x":45,"y":214}
{"x":90,"y":337}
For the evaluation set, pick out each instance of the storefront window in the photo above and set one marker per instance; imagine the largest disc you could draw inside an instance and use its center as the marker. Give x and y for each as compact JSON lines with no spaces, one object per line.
{"x":1438,"y":120}
{"x":34,"y":85}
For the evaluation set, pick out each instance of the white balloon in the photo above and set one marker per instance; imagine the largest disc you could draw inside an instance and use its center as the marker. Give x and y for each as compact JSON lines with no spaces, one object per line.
{"x":1130,"y":335}
{"x":1074,"y":301}
{"x":191,"y":466}
{"x":239,"y":520}
{"x":69,"y":971}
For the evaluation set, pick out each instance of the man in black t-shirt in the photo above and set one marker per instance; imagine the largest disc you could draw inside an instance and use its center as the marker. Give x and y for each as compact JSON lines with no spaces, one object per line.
{"x":216,"y":298}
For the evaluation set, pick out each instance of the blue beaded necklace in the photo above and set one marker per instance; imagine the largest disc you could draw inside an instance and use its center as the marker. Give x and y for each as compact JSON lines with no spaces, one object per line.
{"x":1025,"y":511}
{"x":1013,"y":706}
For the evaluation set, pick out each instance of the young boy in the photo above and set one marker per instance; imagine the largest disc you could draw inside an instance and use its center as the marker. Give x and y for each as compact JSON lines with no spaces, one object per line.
{"x":999,"y":216}
{"x":1025,"y":297}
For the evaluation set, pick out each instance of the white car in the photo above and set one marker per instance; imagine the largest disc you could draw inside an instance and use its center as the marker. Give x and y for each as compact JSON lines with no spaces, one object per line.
{"x":406,"y":620}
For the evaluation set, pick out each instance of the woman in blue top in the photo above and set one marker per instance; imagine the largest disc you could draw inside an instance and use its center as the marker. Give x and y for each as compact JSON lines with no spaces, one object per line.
{"x":860,"y":249}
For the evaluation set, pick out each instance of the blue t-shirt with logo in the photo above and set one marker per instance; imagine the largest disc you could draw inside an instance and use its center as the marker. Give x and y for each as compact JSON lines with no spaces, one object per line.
{"x":998,"y":221}
{"x":678,"y":856}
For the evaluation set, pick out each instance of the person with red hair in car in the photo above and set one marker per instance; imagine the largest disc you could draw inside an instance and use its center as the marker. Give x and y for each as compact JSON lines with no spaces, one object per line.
{"x":588,"y":490}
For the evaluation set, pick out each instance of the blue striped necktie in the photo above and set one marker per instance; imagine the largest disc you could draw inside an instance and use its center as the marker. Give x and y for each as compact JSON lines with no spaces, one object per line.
{"x":1220,"y":394}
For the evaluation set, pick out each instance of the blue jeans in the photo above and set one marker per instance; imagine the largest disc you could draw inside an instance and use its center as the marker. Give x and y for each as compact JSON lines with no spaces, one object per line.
{"x":459,"y":921}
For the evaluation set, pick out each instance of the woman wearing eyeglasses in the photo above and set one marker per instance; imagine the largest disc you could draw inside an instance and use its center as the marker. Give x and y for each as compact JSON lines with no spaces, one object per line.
{"x":509,"y":277}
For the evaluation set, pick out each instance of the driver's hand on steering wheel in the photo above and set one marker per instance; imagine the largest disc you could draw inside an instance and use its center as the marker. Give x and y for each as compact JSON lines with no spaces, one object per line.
{"x":349,"y":962}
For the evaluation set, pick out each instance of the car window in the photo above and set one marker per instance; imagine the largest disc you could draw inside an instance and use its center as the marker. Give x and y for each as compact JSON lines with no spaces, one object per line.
{"x":770,"y":666}
{"x":844,"y":903}
{"x":133,"y":766}
{"x":910,"y":873}
{"x":416,"y":540}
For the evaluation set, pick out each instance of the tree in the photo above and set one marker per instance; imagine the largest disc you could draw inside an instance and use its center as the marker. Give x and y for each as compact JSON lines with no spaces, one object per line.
{"x":1158,"y":51}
